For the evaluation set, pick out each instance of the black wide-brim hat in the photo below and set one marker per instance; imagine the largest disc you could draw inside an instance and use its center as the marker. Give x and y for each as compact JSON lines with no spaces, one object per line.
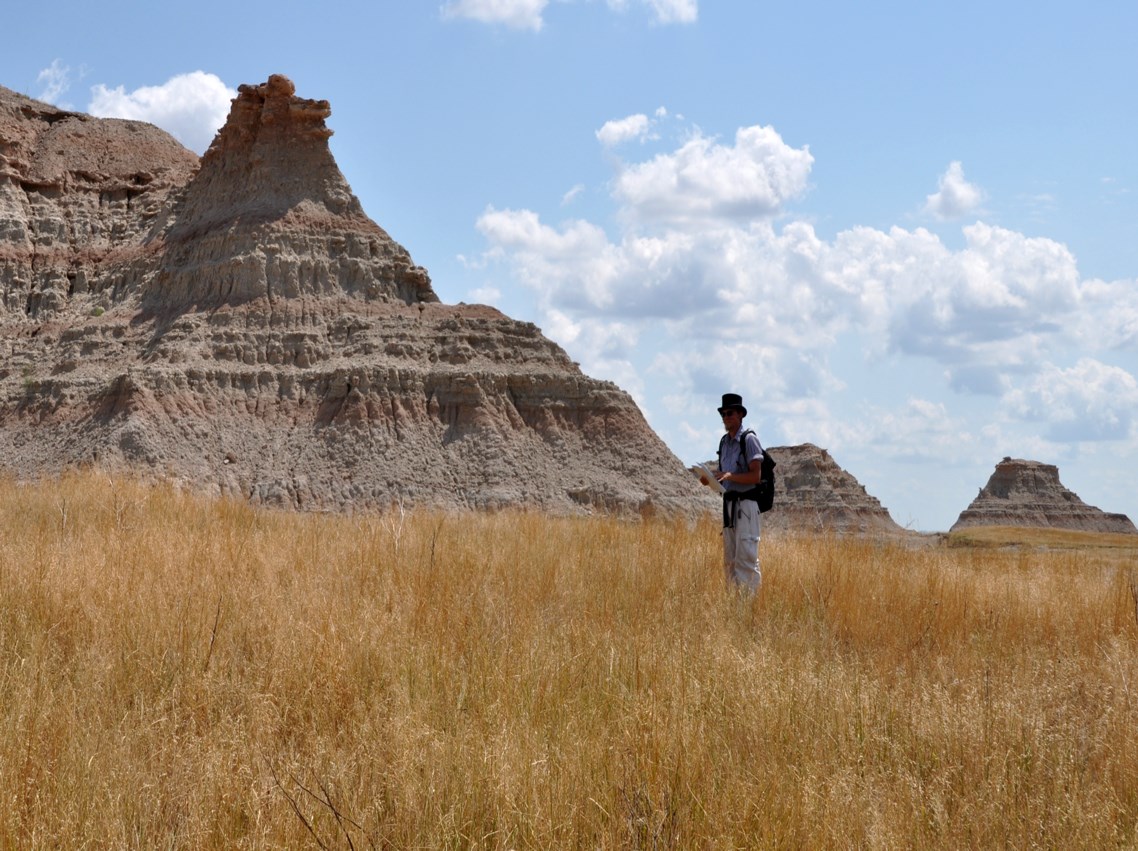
{"x":732,"y":402}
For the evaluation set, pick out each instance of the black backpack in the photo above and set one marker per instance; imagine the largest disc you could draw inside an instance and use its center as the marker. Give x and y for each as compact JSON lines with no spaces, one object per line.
{"x":764,"y":491}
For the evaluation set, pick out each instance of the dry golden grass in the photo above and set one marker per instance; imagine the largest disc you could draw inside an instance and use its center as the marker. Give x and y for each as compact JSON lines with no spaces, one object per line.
{"x":1034,"y":536}
{"x":184,"y":673}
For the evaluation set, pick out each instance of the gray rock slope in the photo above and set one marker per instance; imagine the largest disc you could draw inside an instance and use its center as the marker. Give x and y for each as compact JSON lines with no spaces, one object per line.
{"x":240,"y":325}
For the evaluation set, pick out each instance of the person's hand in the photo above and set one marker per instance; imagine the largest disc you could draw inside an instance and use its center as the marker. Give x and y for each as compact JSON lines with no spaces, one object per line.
{"x":722,"y":477}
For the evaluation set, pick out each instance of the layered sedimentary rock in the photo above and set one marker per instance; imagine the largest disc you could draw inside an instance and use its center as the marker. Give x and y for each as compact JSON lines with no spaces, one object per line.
{"x":1028,"y":493}
{"x":814,"y":494}
{"x":83,"y":202}
{"x":239,"y":324}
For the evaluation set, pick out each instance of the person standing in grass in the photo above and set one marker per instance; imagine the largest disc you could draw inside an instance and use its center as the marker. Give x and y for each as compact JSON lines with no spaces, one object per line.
{"x":740,"y":471}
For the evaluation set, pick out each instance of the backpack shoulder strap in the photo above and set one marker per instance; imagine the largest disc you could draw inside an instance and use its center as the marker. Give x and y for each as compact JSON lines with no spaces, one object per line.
{"x":743,"y":445}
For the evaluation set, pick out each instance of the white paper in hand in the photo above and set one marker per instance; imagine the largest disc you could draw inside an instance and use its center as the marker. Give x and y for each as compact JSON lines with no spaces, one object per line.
{"x":706,"y":476}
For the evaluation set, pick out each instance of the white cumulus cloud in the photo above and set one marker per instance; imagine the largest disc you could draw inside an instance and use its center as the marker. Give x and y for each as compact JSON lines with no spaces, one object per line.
{"x":675,"y":11}
{"x":516,"y":14}
{"x":190,"y":107}
{"x":990,"y":313}
{"x":1001,"y":288}
{"x":1089,"y":401}
{"x":1109,"y":314}
{"x":577,"y":259}
{"x":955,"y":196}
{"x":704,"y":181}
{"x":621,"y":130}
{"x":665,"y":11}
{"x":920,"y":428}
{"x":706,"y":283}
{"x":528,"y":14}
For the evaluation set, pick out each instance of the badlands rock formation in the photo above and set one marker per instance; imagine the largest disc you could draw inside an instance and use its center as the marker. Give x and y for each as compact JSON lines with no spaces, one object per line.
{"x":239,"y":324}
{"x":814,"y":494}
{"x":1028,"y":493}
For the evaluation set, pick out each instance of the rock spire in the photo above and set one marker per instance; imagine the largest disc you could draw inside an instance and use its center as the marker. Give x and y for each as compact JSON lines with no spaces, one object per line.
{"x":270,"y":216}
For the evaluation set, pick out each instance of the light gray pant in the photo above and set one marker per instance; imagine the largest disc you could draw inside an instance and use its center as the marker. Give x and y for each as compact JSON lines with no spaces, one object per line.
{"x":741,"y":547}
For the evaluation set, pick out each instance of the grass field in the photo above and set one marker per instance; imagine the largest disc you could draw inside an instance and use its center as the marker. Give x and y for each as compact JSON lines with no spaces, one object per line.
{"x":177,"y":672}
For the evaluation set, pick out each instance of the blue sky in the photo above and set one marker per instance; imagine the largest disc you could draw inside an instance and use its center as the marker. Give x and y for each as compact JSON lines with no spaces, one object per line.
{"x":904,"y":232}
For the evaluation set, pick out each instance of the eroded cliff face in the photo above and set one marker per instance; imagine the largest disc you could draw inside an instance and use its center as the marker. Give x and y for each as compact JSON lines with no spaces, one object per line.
{"x":271,"y":216}
{"x":814,"y":494}
{"x":1029,"y":493}
{"x":240,"y":325}
{"x":83,"y":205}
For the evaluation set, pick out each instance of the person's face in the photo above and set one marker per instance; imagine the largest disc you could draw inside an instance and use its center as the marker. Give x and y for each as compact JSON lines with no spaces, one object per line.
{"x":731,"y":419}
